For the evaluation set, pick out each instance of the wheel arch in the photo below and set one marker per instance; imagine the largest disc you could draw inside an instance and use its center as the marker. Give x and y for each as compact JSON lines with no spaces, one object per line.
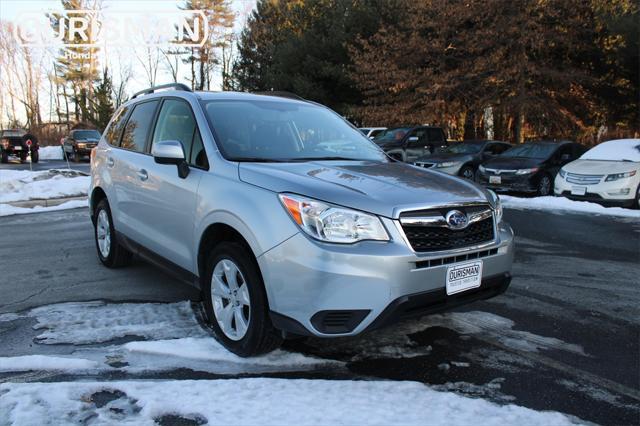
{"x":97,"y":195}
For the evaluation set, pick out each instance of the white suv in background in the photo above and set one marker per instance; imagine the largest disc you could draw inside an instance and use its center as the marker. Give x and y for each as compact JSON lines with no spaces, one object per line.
{"x":608,"y":174}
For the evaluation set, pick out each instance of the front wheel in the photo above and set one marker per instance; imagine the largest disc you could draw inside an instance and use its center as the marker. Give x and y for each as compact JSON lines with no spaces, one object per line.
{"x":636,"y":204}
{"x":236,"y":303}
{"x":544,"y":185}
{"x":467,"y":172}
{"x":110,"y":252}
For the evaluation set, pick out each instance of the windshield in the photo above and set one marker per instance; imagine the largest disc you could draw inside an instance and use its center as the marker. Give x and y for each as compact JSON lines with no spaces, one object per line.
{"x":618,"y":150}
{"x":391,"y":135}
{"x":285,"y":131}
{"x":530,"y":151}
{"x":86,"y":134}
{"x":461,"y":148}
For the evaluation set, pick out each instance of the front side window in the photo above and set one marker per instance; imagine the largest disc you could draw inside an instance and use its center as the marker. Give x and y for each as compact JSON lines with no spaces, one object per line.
{"x":136,"y":130}
{"x":176,"y":122}
{"x":285,"y":131}
{"x":435,"y":135}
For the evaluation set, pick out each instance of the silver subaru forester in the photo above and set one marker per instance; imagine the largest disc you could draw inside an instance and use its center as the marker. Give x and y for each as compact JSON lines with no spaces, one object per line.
{"x":290,"y":221}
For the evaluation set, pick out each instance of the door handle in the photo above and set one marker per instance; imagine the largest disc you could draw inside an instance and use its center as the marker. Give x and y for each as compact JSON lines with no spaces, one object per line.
{"x":110,"y":162}
{"x":142,"y":174}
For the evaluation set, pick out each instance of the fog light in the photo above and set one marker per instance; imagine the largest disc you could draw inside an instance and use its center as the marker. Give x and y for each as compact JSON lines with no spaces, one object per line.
{"x":623,"y":191}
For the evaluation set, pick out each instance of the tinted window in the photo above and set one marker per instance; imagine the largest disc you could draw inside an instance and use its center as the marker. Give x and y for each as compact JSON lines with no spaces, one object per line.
{"x":176,"y":122}
{"x":435,"y":135}
{"x":285,"y":131}
{"x":137,"y":127}
{"x":113,"y":132}
{"x":375,"y":133}
{"x":496,"y":148}
{"x":421,"y":141}
{"x":392,"y":135}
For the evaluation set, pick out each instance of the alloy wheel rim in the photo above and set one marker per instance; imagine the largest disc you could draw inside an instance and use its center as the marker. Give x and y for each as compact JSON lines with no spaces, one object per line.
{"x":468,"y":174}
{"x":231,"y":300}
{"x":103,"y":233}
{"x":545,"y":185}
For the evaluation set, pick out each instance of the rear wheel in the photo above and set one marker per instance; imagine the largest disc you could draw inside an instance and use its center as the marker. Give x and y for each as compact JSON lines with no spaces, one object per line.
{"x":236,"y":303}
{"x":110,"y":252}
{"x":544,"y":185}
{"x":35,"y":157}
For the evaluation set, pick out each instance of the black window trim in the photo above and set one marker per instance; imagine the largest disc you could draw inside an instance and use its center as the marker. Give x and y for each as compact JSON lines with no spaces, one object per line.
{"x":153,"y":130}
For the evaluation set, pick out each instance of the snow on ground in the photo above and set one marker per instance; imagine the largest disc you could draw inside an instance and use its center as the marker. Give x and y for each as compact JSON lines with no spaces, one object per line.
{"x":43,"y":362}
{"x":22,"y":185}
{"x":8,"y":210}
{"x":176,"y":340}
{"x":50,"y":152}
{"x":258,"y":401}
{"x":95,"y":322}
{"x":564,"y":204}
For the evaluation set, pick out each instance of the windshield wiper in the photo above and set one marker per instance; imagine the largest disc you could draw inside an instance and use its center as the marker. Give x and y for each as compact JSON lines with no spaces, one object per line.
{"x":259,"y":160}
{"x":324,"y":159}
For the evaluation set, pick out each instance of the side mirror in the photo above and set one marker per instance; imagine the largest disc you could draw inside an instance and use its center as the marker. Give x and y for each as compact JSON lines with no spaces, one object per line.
{"x":171,"y":152}
{"x":413,"y":139}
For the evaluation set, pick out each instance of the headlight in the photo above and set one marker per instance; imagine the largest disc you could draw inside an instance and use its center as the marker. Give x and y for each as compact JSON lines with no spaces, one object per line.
{"x":333,"y":224}
{"x":617,"y":176}
{"x":82,"y":145}
{"x":562,"y":173}
{"x":481,"y":168}
{"x":447,"y":164}
{"x":497,"y":205}
{"x":526,"y":171}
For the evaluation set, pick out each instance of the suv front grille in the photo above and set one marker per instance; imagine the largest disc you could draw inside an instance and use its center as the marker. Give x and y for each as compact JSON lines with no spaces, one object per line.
{"x":439,"y":237}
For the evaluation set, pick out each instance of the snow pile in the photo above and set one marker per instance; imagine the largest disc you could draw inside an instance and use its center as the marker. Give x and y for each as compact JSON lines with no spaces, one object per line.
{"x":42,"y":362}
{"x":616,"y":150}
{"x":22,"y":185}
{"x":95,"y":322}
{"x":8,"y":210}
{"x":564,"y":204}
{"x":259,"y":401}
{"x":51,"y":153}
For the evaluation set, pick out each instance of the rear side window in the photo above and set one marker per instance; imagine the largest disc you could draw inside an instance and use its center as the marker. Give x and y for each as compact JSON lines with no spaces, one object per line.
{"x":136,"y":130}
{"x":113,"y":132}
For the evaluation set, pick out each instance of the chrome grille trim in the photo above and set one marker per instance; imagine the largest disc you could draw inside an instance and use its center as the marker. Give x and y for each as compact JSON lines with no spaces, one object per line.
{"x":583,"y":179}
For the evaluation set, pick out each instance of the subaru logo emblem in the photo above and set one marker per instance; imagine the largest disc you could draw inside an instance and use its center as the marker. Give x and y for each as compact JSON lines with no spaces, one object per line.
{"x":456,"y":220}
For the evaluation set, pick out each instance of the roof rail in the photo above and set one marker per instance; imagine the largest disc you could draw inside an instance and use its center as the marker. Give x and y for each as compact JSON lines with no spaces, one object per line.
{"x":177,"y":86}
{"x":280,"y":94}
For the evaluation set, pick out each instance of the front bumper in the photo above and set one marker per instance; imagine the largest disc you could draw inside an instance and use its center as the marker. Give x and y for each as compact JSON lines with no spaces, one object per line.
{"x":605,"y":193}
{"x":509,"y":182}
{"x":333,"y":290}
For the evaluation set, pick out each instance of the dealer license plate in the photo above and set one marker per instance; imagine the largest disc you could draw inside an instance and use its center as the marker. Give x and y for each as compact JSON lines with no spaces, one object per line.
{"x":495,"y":179}
{"x":464,"y":276}
{"x":578,"y":190}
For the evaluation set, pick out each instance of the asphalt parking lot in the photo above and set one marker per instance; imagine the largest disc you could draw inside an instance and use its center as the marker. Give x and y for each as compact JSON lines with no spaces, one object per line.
{"x":13,"y":164}
{"x":565,"y":336}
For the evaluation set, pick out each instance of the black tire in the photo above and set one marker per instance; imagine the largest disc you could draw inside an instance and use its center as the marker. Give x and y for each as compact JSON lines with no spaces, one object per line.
{"x":636,"y":203}
{"x":75,"y":157}
{"x":118,"y":255}
{"x":23,"y":157}
{"x":35,"y":157}
{"x":5,"y":157}
{"x":544,"y":185}
{"x":261,"y":337}
{"x":467,"y":172}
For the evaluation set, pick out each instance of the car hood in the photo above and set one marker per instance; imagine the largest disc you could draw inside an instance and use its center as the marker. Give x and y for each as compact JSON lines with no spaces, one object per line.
{"x":600,"y":167}
{"x":512,"y":163}
{"x":375,"y":187}
{"x":441,"y":158}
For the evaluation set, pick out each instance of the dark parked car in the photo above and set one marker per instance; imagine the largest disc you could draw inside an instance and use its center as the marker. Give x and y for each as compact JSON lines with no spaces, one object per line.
{"x":411,"y":142}
{"x":19,"y":143}
{"x":530,"y":167}
{"x":79,"y":143}
{"x":463,"y":158}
